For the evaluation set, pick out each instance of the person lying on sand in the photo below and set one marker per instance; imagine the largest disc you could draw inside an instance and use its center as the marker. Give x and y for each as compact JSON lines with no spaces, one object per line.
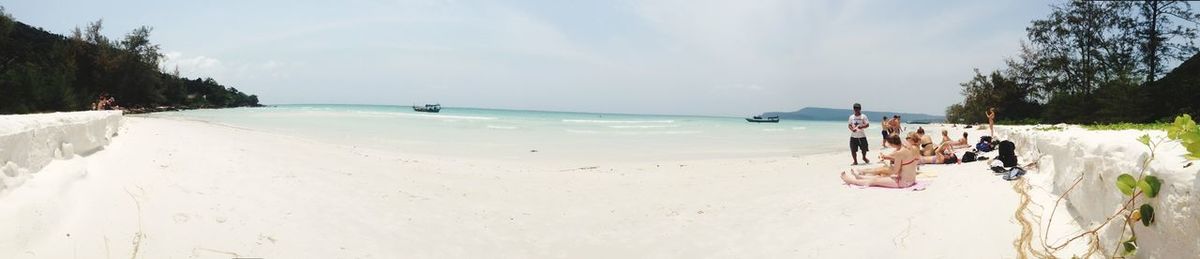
{"x":944,"y":154}
{"x":902,"y":173}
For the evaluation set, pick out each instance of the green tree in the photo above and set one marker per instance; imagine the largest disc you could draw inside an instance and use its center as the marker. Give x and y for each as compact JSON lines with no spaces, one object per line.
{"x":1080,"y":45}
{"x":995,"y":90}
{"x":6,"y":27}
{"x":41,"y":71}
{"x":139,"y":80}
{"x":1160,"y":39}
{"x":1091,"y":61}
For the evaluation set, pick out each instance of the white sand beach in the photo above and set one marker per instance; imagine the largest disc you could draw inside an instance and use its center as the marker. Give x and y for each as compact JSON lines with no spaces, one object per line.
{"x":166,"y":188}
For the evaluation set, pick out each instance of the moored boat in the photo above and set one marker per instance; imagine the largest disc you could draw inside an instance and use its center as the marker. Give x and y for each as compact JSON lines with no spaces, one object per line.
{"x":428,"y":108}
{"x":760,"y":119}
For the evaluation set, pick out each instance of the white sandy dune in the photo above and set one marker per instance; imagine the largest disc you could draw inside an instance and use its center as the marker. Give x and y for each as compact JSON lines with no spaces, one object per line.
{"x":183,"y":189}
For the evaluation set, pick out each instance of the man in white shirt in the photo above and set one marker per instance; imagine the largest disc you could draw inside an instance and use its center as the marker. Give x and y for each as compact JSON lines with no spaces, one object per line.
{"x":858,"y":136}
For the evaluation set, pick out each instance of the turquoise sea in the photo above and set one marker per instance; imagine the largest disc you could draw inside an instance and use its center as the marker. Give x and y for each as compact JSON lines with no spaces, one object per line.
{"x":516,"y":135}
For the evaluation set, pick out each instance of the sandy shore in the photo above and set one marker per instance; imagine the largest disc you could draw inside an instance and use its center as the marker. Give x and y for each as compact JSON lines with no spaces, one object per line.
{"x":170,"y":189}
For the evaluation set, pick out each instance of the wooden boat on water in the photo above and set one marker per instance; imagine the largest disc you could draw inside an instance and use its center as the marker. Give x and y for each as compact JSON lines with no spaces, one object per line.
{"x":434,"y":108}
{"x":760,"y":119}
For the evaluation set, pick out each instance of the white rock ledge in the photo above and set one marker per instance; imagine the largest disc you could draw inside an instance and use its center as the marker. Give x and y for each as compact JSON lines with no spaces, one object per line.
{"x":29,"y":142}
{"x":1101,"y":156}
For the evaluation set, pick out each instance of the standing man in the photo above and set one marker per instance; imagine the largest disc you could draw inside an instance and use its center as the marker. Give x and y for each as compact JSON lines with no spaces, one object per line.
{"x":858,"y":136}
{"x":896,"y":124}
{"x":883,"y":123}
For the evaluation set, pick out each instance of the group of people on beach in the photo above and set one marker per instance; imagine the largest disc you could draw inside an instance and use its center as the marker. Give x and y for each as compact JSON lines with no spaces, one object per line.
{"x":105,"y":102}
{"x":900,"y":165}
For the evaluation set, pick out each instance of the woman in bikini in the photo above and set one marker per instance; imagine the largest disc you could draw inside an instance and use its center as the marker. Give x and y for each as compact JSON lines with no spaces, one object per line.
{"x":901,"y":174}
{"x":991,"y":115}
{"x":962,"y":142}
{"x":926,"y":143}
{"x":944,"y":154}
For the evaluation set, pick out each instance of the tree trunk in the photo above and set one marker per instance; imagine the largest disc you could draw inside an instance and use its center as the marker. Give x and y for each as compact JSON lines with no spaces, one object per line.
{"x":1153,"y":42}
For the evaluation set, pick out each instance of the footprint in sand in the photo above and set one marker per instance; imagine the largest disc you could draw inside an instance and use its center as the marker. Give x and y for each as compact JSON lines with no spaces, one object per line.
{"x":181,"y":218}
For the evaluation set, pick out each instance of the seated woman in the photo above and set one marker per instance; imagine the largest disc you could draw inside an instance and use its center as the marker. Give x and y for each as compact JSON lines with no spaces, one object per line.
{"x":902,"y":173}
{"x":946,"y":137}
{"x":926,"y":143}
{"x":962,"y":142}
{"x":888,"y":159}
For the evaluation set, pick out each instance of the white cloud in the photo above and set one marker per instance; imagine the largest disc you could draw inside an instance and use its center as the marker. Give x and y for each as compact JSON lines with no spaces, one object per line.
{"x":200,"y":66}
{"x":226,"y":72}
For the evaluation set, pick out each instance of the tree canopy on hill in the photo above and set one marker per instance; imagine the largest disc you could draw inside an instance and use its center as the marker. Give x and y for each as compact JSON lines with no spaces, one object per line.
{"x":41,"y":71}
{"x":1179,"y":91}
{"x":1093,"y":62}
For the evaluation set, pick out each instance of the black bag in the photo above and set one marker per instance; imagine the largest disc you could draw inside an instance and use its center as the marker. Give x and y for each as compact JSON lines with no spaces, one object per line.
{"x":1008,"y":153}
{"x":968,"y":157}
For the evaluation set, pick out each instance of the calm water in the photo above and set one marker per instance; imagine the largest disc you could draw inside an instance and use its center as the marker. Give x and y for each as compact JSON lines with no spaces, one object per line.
{"x":511,"y":134}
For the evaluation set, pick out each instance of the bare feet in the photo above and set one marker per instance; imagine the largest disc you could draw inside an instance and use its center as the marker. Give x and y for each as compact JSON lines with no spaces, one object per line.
{"x":848,"y":178}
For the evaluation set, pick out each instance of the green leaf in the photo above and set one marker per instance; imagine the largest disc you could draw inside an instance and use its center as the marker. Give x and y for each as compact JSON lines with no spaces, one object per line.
{"x":1130,"y":247}
{"x":1147,"y":214}
{"x":1191,"y":142}
{"x":1126,"y":183}
{"x":1184,"y":130}
{"x":1150,"y":185}
{"x":1145,"y":139}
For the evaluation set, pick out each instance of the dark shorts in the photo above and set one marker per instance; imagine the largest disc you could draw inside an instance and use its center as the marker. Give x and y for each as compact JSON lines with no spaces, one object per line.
{"x":858,"y":143}
{"x":885,"y":134}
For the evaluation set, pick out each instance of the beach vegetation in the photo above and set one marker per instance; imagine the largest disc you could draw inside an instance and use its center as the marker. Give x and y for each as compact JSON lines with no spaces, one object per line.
{"x":1049,"y":128}
{"x":1025,"y":121}
{"x":1184,"y":130}
{"x":1094,"y":62}
{"x":42,"y":72}
{"x":1128,"y":126}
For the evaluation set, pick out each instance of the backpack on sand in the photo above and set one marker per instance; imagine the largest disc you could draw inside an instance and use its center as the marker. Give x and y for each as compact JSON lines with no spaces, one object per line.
{"x":969,"y":157}
{"x":1008,"y":153}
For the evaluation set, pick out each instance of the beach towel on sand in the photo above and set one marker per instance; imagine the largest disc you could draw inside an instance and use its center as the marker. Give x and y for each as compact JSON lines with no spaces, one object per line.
{"x":919,"y":186}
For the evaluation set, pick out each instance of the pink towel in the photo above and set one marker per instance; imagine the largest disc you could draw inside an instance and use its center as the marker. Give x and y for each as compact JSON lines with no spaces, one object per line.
{"x":919,"y":186}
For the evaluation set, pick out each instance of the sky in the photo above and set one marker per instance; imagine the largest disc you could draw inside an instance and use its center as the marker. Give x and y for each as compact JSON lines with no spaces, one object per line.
{"x":688,"y":57}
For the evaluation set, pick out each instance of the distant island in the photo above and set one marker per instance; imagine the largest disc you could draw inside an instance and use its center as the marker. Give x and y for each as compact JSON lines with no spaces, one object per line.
{"x":46,"y":72}
{"x":829,"y":114}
